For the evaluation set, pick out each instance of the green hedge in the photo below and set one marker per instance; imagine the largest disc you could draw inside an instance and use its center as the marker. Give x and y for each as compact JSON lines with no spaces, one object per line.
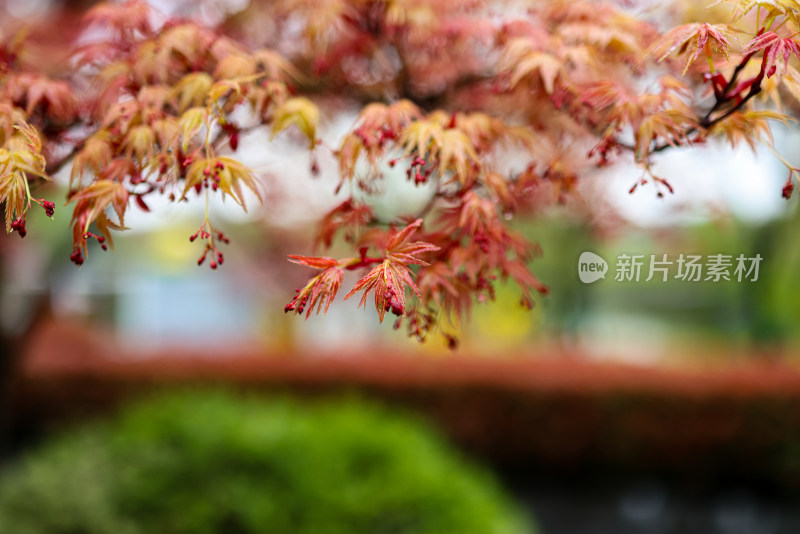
{"x":215,"y":462}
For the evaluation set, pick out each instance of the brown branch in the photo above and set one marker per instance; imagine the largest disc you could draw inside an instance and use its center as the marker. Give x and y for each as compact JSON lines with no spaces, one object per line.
{"x":52,"y":167}
{"x":723,"y":96}
{"x":722,"y":99}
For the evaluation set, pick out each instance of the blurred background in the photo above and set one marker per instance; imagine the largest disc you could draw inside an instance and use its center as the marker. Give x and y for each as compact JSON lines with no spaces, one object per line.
{"x":611,"y":407}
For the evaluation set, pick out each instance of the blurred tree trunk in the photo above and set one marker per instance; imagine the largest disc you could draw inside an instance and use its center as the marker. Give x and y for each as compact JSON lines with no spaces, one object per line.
{"x":12,"y":346}
{"x":12,"y":349}
{"x":9,"y":354}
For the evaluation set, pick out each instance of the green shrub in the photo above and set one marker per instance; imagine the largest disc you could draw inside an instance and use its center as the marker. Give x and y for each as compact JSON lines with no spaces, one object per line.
{"x":214,"y":462}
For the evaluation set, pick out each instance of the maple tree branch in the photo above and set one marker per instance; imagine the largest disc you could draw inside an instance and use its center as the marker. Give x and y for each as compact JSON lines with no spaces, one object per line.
{"x":754,"y":90}
{"x":221,"y":136}
{"x":723,"y":98}
{"x":706,"y":122}
{"x":364,"y":261}
{"x":48,"y":131}
{"x":434,"y":101}
{"x":54,"y":166}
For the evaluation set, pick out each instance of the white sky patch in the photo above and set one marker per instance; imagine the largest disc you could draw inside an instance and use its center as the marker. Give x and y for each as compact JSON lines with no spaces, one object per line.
{"x":294,"y":196}
{"x":24,"y":9}
{"x":707,"y":180}
{"x":395,"y":195}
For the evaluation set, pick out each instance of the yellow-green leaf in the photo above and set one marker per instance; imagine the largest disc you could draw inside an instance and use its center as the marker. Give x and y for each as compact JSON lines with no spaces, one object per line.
{"x":301,"y":112}
{"x":190,"y":123}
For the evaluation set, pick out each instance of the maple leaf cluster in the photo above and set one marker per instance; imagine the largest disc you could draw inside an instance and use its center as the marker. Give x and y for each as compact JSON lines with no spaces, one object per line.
{"x":448,"y":92}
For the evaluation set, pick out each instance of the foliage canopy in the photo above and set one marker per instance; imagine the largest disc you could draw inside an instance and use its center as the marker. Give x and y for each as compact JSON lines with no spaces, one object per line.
{"x":449,"y":92}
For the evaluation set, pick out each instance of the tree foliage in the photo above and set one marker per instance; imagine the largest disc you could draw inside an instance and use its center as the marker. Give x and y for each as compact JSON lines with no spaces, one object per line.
{"x":148,"y":104}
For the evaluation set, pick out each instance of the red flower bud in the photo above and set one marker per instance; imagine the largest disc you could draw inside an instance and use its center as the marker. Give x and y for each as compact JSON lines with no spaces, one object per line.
{"x":788,"y":188}
{"x":49,"y":207}
{"x":141,"y":203}
{"x":397,"y":307}
{"x":18,"y":225}
{"x":76,"y":257}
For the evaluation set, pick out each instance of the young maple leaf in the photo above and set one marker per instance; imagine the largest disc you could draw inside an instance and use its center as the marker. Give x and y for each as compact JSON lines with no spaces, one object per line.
{"x":620,"y":104}
{"x":483,"y":130}
{"x":12,"y":190}
{"x":772,"y":8}
{"x":192,"y":90}
{"x":55,"y":96}
{"x":692,"y":39}
{"x":775,"y":49}
{"x":751,"y":127}
{"x":528,"y":282}
{"x":523,"y":59}
{"x":227,"y":174}
{"x":19,"y":159}
{"x":348,"y":216}
{"x":400,"y":250}
{"x":602,"y":94}
{"x":547,"y":65}
{"x":127,"y":16}
{"x":321,"y":289}
{"x":422,"y":137}
{"x":90,"y":207}
{"x":301,"y":112}
{"x":235,"y":65}
{"x":140,"y":142}
{"x":190,"y":123}
{"x":439,"y":286}
{"x":99,"y":195}
{"x":377,"y":124}
{"x":277,"y":67}
{"x":670,"y":125}
{"x":393,"y":117}
{"x":457,"y":153}
{"x":388,"y":279}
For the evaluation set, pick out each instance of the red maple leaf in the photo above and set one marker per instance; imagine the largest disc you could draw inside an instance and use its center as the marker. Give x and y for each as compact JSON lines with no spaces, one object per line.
{"x":348,"y":216}
{"x":399,"y":250}
{"x":320,"y":289}
{"x":389,"y":279}
{"x":775,"y":49}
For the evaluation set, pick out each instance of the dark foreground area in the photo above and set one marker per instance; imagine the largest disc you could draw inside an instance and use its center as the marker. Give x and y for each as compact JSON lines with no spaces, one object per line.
{"x":589,"y":448}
